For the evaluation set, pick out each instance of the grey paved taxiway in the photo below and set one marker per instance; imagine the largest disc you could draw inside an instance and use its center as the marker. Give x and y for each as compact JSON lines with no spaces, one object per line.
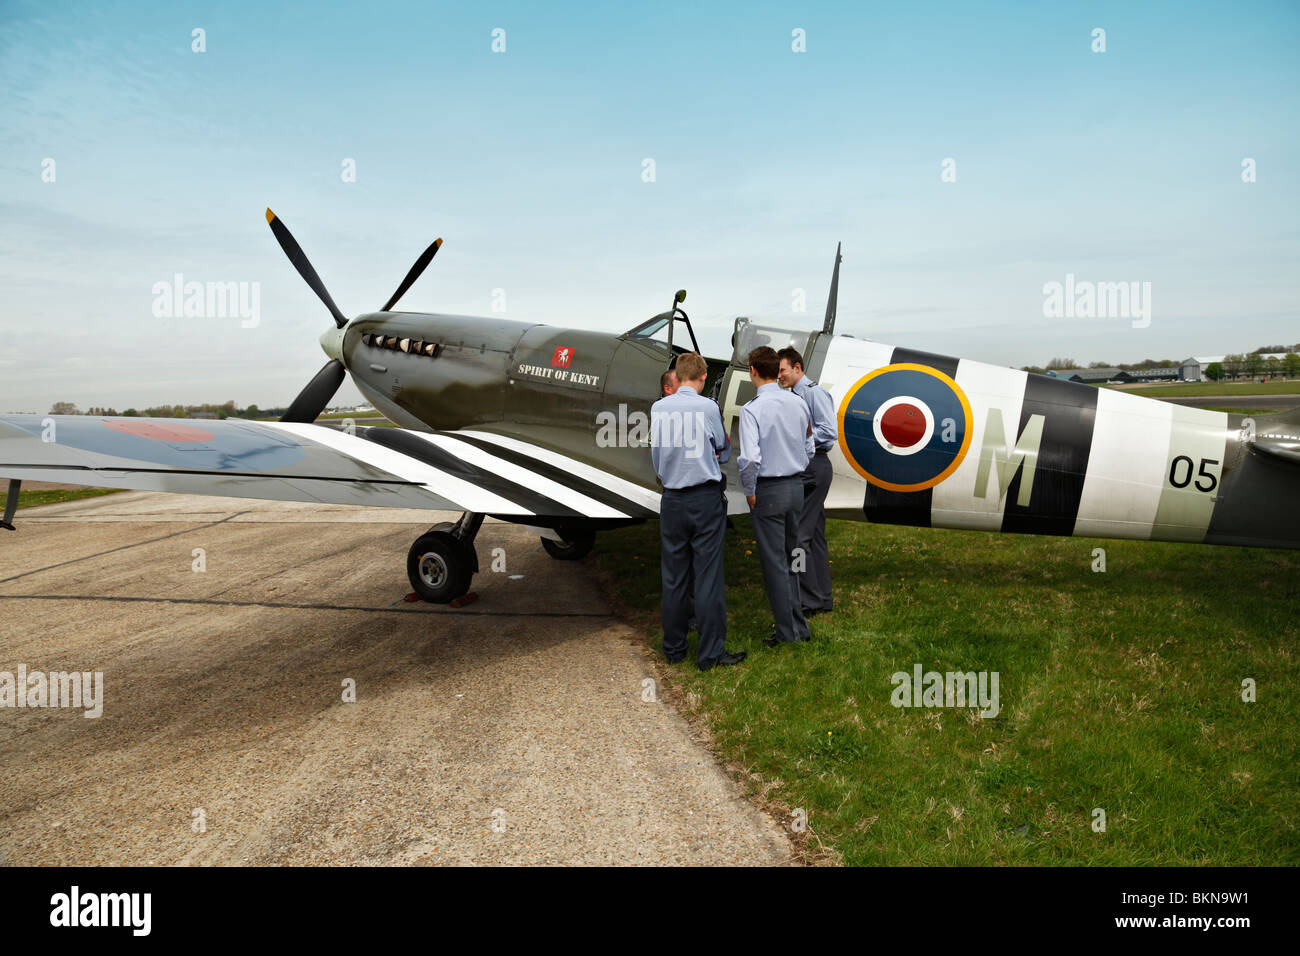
{"x":512,"y":731}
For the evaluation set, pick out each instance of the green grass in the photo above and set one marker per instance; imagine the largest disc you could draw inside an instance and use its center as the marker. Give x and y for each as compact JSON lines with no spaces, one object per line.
{"x":1239,"y":411}
{"x":1210,"y":388}
{"x":29,"y":499}
{"x":1119,"y":690}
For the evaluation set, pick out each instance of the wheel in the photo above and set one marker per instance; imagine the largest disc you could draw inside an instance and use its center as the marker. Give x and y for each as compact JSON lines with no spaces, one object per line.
{"x":440,"y":567}
{"x":577,"y":544}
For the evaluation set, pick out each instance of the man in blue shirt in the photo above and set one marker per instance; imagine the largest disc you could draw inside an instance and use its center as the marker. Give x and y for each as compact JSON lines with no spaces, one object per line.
{"x":774,"y":450}
{"x":687,"y":441}
{"x":815,"y":578}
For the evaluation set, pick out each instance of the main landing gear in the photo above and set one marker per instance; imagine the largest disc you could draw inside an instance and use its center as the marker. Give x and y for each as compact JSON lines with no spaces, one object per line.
{"x":442,"y":562}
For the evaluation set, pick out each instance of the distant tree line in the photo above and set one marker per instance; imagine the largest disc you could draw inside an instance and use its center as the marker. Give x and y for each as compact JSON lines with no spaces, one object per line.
{"x":1241,"y":365}
{"x":224,"y":410}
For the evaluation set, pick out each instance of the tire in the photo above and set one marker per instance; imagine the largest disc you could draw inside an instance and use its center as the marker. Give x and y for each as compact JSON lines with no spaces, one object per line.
{"x":439,"y":567}
{"x":577,"y":544}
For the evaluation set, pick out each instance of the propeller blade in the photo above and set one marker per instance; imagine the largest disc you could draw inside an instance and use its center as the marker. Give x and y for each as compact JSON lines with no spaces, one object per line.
{"x":311,"y":401}
{"x":421,"y":264}
{"x":303,"y":265}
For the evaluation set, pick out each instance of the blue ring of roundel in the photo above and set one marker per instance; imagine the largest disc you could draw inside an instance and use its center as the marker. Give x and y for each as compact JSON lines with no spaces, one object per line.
{"x":923,"y":467}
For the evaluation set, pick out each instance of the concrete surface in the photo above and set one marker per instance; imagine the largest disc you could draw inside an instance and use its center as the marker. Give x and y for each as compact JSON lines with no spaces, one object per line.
{"x":511,"y":731}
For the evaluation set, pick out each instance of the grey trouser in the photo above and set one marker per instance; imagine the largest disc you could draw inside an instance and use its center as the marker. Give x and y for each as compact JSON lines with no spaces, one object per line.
{"x":815,"y":581}
{"x":691,"y":527}
{"x":776,"y":529}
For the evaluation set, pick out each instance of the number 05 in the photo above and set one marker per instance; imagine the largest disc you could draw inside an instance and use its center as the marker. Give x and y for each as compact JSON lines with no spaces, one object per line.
{"x":1186,"y":477}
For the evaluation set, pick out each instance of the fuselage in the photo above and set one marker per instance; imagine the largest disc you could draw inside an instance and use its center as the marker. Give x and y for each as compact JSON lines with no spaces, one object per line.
{"x":925,"y":439}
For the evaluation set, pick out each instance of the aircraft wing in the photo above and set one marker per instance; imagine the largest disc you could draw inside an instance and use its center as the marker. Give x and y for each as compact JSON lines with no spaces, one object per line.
{"x":391,"y":467}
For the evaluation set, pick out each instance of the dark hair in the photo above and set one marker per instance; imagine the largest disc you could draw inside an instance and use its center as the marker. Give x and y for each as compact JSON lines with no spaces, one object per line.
{"x":763,"y":360}
{"x":664,"y":379}
{"x":791,"y":355}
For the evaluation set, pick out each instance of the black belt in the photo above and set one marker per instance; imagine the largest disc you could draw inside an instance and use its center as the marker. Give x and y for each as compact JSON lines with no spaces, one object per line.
{"x":823,"y":452}
{"x":702,"y":484}
{"x":763,"y":478}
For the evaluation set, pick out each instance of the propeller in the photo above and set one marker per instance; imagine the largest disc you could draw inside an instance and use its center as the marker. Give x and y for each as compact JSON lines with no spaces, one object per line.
{"x":300,"y":262}
{"x":421,"y":264}
{"x":311,"y":401}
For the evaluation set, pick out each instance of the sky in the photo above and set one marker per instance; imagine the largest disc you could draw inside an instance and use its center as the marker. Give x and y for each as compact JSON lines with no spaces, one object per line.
{"x":966,"y":155}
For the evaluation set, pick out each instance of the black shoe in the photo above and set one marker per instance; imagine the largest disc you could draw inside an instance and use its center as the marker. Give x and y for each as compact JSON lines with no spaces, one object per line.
{"x":811,"y":611}
{"x":676,"y":660}
{"x":774,"y":640}
{"x":725,"y":659}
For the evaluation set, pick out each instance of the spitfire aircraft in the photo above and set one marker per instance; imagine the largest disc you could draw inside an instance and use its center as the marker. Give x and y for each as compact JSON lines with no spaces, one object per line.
{"x":530,"y":424}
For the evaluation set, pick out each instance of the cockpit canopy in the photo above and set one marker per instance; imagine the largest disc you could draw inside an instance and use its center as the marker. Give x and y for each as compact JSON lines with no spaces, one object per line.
{"x":651,"y":327}
{"x":749,"y":336}
{"x":657,"y":328}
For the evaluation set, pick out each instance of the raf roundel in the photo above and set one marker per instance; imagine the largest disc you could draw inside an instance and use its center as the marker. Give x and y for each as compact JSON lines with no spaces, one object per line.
{"x":905,"y":427}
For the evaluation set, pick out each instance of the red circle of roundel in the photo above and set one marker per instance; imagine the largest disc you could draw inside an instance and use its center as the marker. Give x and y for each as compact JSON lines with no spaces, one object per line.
{"x":175,"y":433}
{"x":903,"y":425}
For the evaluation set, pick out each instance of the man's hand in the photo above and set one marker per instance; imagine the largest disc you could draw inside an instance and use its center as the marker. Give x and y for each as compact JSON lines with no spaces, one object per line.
{"x":753,"y":500}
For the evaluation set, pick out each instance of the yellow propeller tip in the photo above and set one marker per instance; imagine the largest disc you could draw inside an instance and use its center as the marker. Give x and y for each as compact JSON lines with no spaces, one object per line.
{"x":270,"y":216}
